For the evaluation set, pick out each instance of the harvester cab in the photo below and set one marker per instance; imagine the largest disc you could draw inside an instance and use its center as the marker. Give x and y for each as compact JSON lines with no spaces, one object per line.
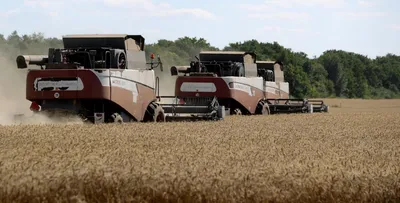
{"x":101,"y":78}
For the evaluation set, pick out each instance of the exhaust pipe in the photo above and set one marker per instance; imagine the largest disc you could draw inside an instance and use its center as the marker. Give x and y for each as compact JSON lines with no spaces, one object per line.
{"x":179,"y":69}
{"x":24,"y":60}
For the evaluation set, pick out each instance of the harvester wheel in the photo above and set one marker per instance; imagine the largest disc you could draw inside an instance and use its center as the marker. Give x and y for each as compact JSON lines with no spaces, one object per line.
{"x":154,"y":113}
{"x":262,"y":108}
{"x":237,"y":111}
{"x":326,"y":109}
{"x":116,"y":118}
{"x":158,"y":115}
{"x":265,"y":110}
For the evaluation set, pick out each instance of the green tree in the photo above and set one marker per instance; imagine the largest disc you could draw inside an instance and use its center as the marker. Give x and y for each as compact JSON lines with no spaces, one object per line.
{"x":334,"y":73}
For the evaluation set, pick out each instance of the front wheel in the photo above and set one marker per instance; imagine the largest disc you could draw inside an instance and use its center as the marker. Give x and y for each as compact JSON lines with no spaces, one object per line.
{"x":263,"y":108}
{"x":159,"y":115}
{"x":154,"y":113}
{"x":237,"y":112}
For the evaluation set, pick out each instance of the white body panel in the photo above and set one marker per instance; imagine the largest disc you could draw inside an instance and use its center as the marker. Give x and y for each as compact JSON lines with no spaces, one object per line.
{"x":256,"y":82}
{"x":127,"y":79}
{"x":242,"y":87}
{"x":277,"y":88}
{"x":198,"y":87}
{"x":245,"y":84}
{"x":66,"y":85}
{"x":145,"y":77}
{"x":284,"y":86}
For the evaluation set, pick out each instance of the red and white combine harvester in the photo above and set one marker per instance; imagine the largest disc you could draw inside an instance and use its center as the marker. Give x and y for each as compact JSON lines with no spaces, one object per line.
{"x":102,"y":78}
{"x":223,"y":83}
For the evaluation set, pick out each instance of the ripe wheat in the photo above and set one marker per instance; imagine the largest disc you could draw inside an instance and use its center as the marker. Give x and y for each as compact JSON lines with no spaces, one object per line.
{"x":335,"y":157}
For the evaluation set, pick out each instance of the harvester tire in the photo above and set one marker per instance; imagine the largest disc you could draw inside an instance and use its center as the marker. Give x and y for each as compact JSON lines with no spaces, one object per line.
{"x":326,"y":109}
{"x":265,"y":110}
{"x":116,"y":118}
{"x":155,"y":113}
{"x":159,"y":115}
{"x":237,"y":111}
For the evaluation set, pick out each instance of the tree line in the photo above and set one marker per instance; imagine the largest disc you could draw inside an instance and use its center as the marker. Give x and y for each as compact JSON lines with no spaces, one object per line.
{"x":336,"y":73}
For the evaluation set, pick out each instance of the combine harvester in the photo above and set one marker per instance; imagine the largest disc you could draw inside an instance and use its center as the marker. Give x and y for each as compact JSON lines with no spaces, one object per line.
{"x":277,"y":91}
{"x":223,"y":83}
{"x":101,"y":78}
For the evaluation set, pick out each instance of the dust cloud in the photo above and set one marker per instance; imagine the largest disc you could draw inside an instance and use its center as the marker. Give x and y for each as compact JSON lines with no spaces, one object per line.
{"x":167,"y":81}
{"x":12,"y":91}
{"x":13,"y":100}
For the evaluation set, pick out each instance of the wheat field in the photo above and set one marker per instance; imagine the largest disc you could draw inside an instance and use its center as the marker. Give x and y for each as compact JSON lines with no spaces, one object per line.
{"x":351,"y":154}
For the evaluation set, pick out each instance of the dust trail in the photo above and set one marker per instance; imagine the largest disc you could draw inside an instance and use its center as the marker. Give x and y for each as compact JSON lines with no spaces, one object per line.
{"x":167,"y":81}
{"x":13,"y":100}
{"x":12,"y":91}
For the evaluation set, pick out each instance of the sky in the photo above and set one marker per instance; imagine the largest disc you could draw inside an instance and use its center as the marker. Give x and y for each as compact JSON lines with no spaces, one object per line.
{"x":368,"y":27}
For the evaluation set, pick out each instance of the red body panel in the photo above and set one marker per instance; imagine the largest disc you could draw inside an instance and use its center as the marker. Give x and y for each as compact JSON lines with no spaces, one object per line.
{"x":92,"y":86}
{"x":222,"y":91}
{"x":249,"y":102}
{"x":92,"y":89}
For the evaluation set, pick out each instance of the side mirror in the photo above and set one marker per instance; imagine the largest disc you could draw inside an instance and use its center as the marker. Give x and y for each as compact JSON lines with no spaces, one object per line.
{"x":159,"y":63}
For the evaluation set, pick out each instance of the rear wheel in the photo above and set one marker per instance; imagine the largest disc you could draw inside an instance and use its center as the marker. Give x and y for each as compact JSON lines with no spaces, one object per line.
{"x":116,"y":118}
{"x":237,"y":111}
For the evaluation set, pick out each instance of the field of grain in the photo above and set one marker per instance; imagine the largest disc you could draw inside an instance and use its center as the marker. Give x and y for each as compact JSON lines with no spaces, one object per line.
{"x":349,"y":155}
{"x":361,"y":105}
